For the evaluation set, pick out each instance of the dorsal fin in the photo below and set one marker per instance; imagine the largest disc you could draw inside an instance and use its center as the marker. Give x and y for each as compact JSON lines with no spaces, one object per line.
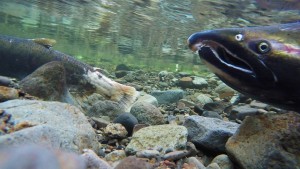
{"x":48,"y":43}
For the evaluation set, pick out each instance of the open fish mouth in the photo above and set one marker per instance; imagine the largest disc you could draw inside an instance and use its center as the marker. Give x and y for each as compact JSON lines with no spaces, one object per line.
{"x":216,"y":54}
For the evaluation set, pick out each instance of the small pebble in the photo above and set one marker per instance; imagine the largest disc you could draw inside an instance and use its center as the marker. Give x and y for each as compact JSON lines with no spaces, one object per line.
{"x":148,"y":154}
{"x":175,"y":155}
{"x":213,"y":166}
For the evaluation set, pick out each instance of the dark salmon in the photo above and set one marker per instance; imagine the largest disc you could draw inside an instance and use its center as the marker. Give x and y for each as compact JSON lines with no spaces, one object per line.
{"x":261,"y":62}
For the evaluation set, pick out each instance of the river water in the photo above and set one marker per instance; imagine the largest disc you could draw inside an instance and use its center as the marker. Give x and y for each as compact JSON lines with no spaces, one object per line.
{"x":144,"y":34}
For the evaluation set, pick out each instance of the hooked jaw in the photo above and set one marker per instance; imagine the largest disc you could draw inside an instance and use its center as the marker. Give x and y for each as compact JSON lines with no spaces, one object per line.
{"x":217,"y":54}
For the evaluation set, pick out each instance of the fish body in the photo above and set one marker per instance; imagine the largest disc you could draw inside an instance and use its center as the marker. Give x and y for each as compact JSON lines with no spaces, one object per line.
{"x":20,"y":57}
{"x":261,"y":62}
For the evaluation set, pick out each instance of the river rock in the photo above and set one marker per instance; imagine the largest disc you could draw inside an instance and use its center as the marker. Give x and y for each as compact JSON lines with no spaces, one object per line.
{"x":127,"y":120}
{"x":270,"y":141}
{"x":193,"y":161}
{"x":55,"y":124}
{"x":158,"y":137}
{"x":100,"y":122}
{"x":169,"y":96}
{"x":147,"y":113}
{"x":34,"y":157}
{"x":216,"y":106}
{"x":199,"y":83}
{"x":203,"y":99}
{"x":209,"y":133}
{"x":105,"y":108}
{"x":48,"y":82}
{"x":122,"y":70}
{"x":115,"y":130}
{"x":213,"y":166}
{"x":224,"y":91}
{"x":185,"y":82}
{"x":147,"y":98}
{"x":6,"y":81}
{"x":132,"y":162}
{"x":259,"y":105}
{"x":7,"y":93}
{"x":212,"y":114}
{"x":240,"y":112}
{"x":148,"y":154}
{"x":223,"y":161}
{"x":116,"y":155}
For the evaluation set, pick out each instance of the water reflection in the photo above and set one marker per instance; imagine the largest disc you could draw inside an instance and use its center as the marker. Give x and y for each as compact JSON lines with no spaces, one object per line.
{"x":145,"y":33}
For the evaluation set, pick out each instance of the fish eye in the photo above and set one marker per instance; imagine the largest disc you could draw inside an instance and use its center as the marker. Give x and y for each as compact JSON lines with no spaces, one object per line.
{"x":263,"y":47}
{"x":239,"y":37}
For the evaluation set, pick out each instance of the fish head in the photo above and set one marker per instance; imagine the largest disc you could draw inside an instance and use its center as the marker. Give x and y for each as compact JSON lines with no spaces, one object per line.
{"x":233,"y":56}
{"x":252,"y":60}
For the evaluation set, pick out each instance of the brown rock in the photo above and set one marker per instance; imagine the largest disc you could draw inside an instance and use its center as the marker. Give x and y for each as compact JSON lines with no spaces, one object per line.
{"x":267,"y":141}
{"x":133,"y":163}
{"x":7,"y":93}
{"x":47,"y":82}
{"x":186,"y":82}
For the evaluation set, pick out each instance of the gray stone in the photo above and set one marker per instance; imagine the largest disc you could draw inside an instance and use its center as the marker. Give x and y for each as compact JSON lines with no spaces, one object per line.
{"x":193,"y":161}
{"x":162,"y":75}
{"x":147,"y":113}
{"x":240,"y":112}
{"x":169,"y":96}
{"x":212,"y":114}
{"x":216,"y":106}
{"x":116,"y":155}
{"x":146,"y":98}
{"x":160,"y":136}
{"x":187,"y":103}
{"x":163,"y":84}
{"x":203,"y":99}
{"x":148,"y":154}
{"x":199,"y":83}
{"x":223,"y":161}
{"x":58,"y":125}
{"x":115,"y":130}
{"x":88,"y":101}
{"x":209,"y":133}
{"x":106,"y":108}
{"x":184,"y":74}
{"x":6,"y":81}
{"x":224,"y":91}
{"x":267,"y":141}
{"x":213,"y":166}
{"x":175,"y":155}
{"x":259,"y":105}
{"x":100,"y":122}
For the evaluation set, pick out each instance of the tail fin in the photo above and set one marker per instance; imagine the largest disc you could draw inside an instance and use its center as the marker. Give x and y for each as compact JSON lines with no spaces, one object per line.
{"x":124,"y":95}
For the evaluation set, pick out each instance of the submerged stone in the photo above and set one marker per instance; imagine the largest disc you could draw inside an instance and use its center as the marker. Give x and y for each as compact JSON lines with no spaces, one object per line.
{"x":48,"y":82}
{"x":209,"y":134}
{"x":158,"y":137}
{"x":267,"y":141}
{"x":58,"y":125}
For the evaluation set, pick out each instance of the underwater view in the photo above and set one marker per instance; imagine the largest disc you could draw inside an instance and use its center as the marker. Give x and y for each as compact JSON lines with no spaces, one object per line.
{"x":149,"y":84}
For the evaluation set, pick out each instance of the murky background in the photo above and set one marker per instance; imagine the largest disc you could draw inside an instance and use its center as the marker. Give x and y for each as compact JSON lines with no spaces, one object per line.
{"x":145,"y":34}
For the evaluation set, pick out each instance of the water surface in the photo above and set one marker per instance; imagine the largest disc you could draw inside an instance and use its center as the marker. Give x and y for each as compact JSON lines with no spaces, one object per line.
{"x":146,"y":34}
